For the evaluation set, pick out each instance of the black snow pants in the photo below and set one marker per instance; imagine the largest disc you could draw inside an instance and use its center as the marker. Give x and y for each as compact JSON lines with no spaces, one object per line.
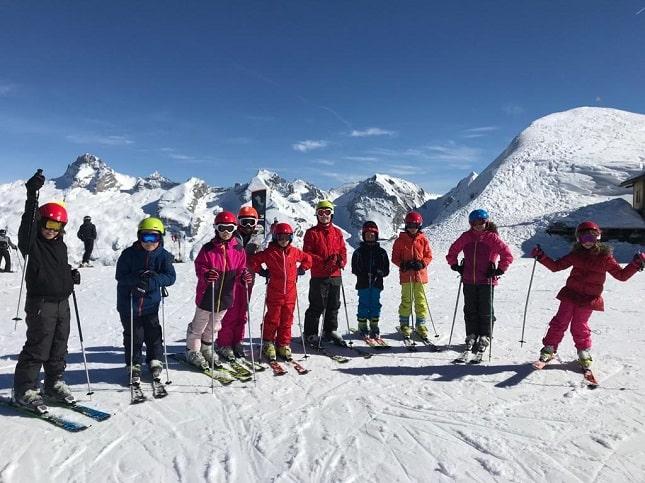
{"x":478,"y":309}
{"x":89,"y":246}
{"x":6,"y":256}
{"x":146,"y":329}
{"x":46,"y":345}
{"x":324,"y":297}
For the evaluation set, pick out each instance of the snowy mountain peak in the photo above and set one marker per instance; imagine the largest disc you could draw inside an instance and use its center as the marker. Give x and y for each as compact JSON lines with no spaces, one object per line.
{"x":154,"y":181}
{"x":91,"y":172}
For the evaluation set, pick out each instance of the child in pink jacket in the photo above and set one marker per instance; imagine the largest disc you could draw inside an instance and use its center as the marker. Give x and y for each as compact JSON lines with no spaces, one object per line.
{"x":582,"y":294}
{"x":220,"y":264}
{"x":482,"y":247}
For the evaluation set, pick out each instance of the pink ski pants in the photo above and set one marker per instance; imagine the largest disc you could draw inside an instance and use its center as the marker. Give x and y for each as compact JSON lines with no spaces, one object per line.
{"x":578,"y":317}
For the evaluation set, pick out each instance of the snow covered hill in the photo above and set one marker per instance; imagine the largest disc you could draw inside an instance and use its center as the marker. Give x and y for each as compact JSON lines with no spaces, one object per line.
{"x":555,"y":168}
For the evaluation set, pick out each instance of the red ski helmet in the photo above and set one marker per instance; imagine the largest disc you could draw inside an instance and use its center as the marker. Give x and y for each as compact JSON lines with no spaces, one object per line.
{"x":225,"y":218}
{"x":414,"y":218}
{"x":53,"y":211}
{"x":369,"y":227}
{"x":247,"y":212}
{"x":588,"y":226}
{"x":282,"y":229}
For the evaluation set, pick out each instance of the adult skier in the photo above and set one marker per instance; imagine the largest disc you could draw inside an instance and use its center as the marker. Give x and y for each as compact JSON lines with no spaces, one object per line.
{"x":87,"y":234}
{"x":5,"y":245}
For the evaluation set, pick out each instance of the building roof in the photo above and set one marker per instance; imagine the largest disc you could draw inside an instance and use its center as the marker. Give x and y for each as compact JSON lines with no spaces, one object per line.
{"x":632,"y":181}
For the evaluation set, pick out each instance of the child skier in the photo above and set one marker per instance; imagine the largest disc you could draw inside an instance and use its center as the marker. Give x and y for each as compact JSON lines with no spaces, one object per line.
{"x":142,"y":272}
{"x":582,"y":293}
{"x":370,"y":264}
{"x":412,"y":254}
{"x":280,"y":259}
{"x":482,"y":247}
{"x":220,"y":264}
{"x":50,"y":281}
{"x":229,"y":338}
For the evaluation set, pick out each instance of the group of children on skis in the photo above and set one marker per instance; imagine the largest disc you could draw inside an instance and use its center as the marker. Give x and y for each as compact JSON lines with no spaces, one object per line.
{"x":225,"y":269}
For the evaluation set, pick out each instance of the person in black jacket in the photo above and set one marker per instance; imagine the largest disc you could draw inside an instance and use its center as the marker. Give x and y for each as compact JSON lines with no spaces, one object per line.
{"x":50,"y":281}
{"x":87,"y":234}
{"x":370,"y":264}
{"x":5,"y":244}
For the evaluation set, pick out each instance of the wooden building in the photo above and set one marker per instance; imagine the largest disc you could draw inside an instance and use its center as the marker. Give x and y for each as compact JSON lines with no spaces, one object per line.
{"x":638,"y":183}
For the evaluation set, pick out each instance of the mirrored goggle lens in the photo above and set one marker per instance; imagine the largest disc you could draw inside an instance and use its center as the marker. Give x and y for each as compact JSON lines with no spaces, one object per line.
{"x":283,"y":237}
{"x":588,"y":238}
{"x":149,"y":237}
{"x":412,"y":225}
{"x":324,"y":211}
{"x":248,"y":221}
{"x":225,"y":228}
{"x":53,"y":225}
{"x":479,"y":221}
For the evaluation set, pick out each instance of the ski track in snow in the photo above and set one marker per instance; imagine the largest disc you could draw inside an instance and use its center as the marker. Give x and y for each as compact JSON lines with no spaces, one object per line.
{"x":399,"y":416}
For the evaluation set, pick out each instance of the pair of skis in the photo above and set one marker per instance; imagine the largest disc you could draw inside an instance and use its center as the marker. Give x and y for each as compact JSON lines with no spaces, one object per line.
{"x":235,"y":371}
{"x":136,"y":392}
{"x":42,"y":413}
{"x":411,"y":345}
{"x":279,"y":370}
{"x":587,"y":374}
{"x":465,"y":357}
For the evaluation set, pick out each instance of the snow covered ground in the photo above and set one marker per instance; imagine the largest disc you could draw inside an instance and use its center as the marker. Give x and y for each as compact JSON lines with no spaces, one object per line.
{"x":398,"y":416}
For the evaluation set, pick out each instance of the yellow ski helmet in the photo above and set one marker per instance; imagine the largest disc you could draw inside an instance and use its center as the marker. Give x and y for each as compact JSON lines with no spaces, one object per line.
{"x":325,"y":204}
{"x":151,"y":224}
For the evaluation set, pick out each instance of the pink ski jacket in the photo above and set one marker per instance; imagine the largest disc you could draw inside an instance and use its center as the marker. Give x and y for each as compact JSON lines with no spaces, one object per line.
{"x":481,"y":248}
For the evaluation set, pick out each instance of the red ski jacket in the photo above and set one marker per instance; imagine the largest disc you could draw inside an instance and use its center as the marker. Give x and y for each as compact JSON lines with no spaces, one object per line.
{"x":481,"y":248}
{"x":590,"y":266}
{"x":326,"y":246}
{"x":283,"y":271}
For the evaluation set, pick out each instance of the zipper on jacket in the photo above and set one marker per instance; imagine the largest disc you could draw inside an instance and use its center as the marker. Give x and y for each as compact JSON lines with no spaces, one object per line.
{"x":284,"y":269}
{"x":221,"y":285}
{"x":145,"y":267}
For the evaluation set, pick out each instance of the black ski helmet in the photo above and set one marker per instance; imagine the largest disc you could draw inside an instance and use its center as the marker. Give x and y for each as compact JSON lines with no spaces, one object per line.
{"x":369,"y":227}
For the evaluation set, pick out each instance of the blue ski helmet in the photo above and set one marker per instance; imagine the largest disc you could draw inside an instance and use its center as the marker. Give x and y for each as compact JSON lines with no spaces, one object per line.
{"x":478,"y":215}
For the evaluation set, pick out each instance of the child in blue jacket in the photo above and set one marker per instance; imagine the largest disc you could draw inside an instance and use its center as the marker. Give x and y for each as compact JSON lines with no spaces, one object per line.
{"x":142,"y":270}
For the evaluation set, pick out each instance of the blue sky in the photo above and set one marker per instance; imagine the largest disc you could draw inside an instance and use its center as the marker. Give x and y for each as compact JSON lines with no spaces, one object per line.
{"x":328,"y":91}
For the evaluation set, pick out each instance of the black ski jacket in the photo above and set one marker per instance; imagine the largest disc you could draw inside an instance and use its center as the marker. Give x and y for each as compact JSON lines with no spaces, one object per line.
{"x":370,"y":264}
{"x":87,"y":231}
{"x":48,"y":274}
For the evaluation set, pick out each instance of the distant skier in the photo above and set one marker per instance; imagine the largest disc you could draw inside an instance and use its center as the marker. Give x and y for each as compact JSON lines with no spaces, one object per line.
{"x":5,"y":245}
{"x":370,"y":264}
{"x":142,"y":271}
{"x":326,"y":246}
{"x":582,"y":294}
{"x":230,"y":336}
{"x":284,"y":263}
{"x":50,"y":281}
{"x":87,"y":234}
{"x":482,"y":248}
{"x":220,"y":265}
{"x":411,"y":252}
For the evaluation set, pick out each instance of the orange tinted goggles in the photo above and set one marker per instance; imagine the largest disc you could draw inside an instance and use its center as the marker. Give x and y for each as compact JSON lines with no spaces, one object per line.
{"x":53,"y":225}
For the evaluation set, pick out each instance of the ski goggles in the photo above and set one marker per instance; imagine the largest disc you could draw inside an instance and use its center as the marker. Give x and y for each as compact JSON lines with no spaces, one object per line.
{"x":589,"y":237}
{"x":324,"y":212}
{"x":52,"y":225}
{"x":284,"y":237}
{"x":221,"y":227}
{"x":247,"y":221}
{"x":149,"y":237}
{"x":412,"y":225}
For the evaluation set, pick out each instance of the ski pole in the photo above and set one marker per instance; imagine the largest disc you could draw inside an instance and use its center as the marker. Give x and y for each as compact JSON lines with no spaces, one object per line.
{"x":18,"y":257}
{"x":24,"y":267}
{"x":219,"y":300}
{"x":454,"y":315}
{"x":412,"y":303}
{"x":264,"y":312}
{"x":430,"y":314}
{"x":302,"y":335}
{"x":342,"y":287}
{"x":490,"y":345}
{"x":248,"y":316}
{"x":80,"y":336}
{"x":526,"y":305}
{"x":164,"y":294}
{"x":131,"y":342}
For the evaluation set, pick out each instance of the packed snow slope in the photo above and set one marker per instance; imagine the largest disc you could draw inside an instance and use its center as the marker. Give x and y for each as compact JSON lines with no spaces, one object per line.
{"x":397,"y":417}
{"x":560,"y":164}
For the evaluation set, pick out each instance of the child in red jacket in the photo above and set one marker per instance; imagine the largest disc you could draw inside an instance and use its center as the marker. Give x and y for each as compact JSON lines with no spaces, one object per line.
{"x":582,"y":294}
{"x":280,"y":259}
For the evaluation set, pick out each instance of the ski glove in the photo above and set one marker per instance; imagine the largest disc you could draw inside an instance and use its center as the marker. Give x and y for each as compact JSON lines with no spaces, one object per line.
{"x":379,"y":272}
{"x":148,"y":274}
{"x":639,"y":260}
{"x":494,"y":272}
{"x":76,"y":277}
{"x":264,"y":272}
{"x":416,"y":265}
{"x":211,"y":276}
{"x":142,"y":286}
{"x":537,"y":252}
{"x":35,"y":183}
{"x":301,"y":271}
{"x":457,"y":268}
{"x":246,"y":277}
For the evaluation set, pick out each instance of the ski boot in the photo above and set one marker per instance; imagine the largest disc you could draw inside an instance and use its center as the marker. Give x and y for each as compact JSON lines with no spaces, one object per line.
{"x":226,"y":353}
{"x":422,"y":330}
{"x":31,"y":399}
{"x":58,"y":392}
{"x":238,"y":350}
{"x":136,"y":373}
{"x":406,"y":330}
{"x":547,"y":353}
{"x":470,"y":342}
{"x":335,"y":338}
{"x":284,"y":352}
{"x":584,"y":358}
{"x":482,"y":343}
{"x":269,"y":350}
{"x":197,"y":359}
{"x":375,"y":333}
{"x":155,"y":367}
{"x":209,"y":355}
{"x":362,"y":327}
{"x":312,"y":340}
